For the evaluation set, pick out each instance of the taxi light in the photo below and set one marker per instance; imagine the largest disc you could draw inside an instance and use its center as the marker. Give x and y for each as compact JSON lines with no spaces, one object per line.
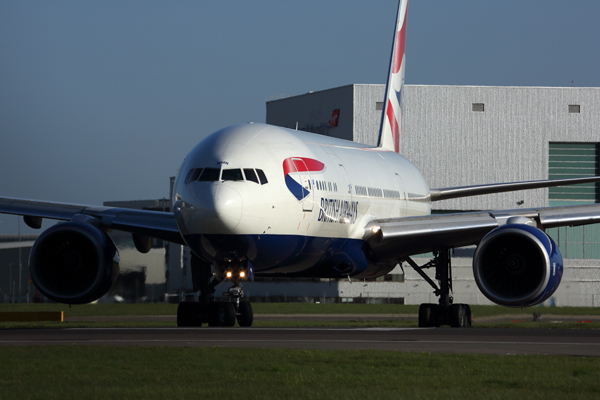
{"x":228,"y":274}
{"x":242,"y":274}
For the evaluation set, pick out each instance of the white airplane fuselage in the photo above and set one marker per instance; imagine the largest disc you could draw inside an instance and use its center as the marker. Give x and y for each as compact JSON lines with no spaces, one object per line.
{"x":309,"y":218}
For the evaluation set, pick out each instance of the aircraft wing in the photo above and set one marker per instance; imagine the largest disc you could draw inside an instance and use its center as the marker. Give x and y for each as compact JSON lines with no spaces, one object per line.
{"x":395,"y":238}
{"x":477,"y":190}
{"x":156,"y":224}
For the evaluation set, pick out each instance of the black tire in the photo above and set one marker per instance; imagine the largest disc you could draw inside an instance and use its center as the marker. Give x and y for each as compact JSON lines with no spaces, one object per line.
{"x":244,"y":314}
{"x":199,"y":314}
{"x":469,"y":317}
{"x":459,"y":316}
{"x":223,"y":314}
{"x":428,"y":315}
{"x":186,"y":314}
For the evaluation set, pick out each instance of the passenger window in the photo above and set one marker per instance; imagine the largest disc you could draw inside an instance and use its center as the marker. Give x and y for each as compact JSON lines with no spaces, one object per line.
{"x":232,"y":175}
{"x":262,"y":176}
{"x":250,"y":175}
{"x":189,"y":175}
{"x":209,"y":175}
{"x":196,"y":174}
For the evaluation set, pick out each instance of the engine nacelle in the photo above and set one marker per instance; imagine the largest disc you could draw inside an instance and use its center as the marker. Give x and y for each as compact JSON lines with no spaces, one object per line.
{"x":74,"y":263}
{"x":517,"y":265}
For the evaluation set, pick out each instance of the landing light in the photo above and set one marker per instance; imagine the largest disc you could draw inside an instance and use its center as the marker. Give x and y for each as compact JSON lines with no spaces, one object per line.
{"x":375,"y":229}
{"x":228,"y":274}
{"x":242,"y":274}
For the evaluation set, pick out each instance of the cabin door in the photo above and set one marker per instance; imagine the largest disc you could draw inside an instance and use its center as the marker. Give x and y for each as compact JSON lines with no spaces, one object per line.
{"x":307,"y":187}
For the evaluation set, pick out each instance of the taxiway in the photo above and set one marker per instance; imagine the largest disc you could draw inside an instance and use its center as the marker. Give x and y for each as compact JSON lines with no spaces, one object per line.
{"x":438,"y":340}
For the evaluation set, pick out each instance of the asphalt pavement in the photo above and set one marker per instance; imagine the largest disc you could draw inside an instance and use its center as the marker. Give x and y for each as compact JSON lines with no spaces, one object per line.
{"x":436,"y":340}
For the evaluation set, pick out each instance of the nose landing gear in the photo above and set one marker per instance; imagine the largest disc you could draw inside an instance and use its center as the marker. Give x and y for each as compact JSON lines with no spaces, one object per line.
{"x":243,"y":309}
{"x":207,"y":310}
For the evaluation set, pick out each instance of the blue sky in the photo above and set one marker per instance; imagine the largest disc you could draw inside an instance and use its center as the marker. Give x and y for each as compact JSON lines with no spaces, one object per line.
{"x":102,"y":100}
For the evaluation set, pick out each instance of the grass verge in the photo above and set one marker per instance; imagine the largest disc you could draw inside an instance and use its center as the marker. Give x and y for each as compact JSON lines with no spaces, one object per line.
{"x":90,"y":310}
{"x":98,"y":372}
{"x":295,"y":324}
{"x":287,"y":308}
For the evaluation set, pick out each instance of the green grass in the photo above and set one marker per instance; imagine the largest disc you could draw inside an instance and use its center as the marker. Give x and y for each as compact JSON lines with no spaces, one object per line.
{"x":333,"y":308}
{"x":86,"y":310}
{"x":297,"y":308}
{"x":539,"y":325}
{"x":286,"y":308}
{"x":212,"y":373}
{"x":296,"y":324}
{"x":489,"y":311}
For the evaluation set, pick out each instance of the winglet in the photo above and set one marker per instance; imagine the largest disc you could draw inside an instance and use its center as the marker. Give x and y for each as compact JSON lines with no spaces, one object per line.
{"x":391,"y":118}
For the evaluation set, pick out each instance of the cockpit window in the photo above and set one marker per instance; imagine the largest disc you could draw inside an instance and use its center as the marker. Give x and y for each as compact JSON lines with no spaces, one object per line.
{"x":232,"y":175}
{"x":196,"y":174}
{"x":262,"y":176}
{"x":189,"y":175}
{"x":210,"y":175}
{"x":250,"y":175}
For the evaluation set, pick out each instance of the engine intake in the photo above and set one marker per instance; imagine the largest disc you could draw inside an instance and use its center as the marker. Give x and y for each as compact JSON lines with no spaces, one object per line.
{"x":517,"y":265}
{"x":74,"y":263}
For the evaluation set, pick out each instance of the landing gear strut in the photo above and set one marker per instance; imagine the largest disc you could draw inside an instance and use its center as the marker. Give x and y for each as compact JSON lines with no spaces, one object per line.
{"x":444,"y":313}
{"x":207,"y":310}
{"x":243,"y":309}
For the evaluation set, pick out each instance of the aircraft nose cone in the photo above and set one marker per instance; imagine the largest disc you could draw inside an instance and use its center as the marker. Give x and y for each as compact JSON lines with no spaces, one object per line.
{"x":213,"y":209}
{"x":228,"y":207}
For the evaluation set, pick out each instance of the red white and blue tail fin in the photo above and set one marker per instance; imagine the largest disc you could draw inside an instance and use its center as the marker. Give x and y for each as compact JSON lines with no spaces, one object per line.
{"x":391,"y":119}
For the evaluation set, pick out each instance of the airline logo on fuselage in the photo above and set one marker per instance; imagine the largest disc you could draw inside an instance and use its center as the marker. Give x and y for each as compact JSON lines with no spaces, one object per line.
{"x":338,"y":211}
{"x":300,"y":168}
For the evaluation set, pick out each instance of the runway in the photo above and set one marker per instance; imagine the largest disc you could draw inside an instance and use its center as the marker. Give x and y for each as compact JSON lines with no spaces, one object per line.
{"x":435,"y":340}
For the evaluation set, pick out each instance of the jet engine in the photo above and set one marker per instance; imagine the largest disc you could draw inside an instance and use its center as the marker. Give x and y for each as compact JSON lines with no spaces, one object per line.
{"x":74,"y":263}
{"x":517,"y":265}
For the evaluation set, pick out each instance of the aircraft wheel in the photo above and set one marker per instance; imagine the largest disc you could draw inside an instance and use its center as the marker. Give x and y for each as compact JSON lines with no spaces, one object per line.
{"x":428,"y":315}
{"x":187,"y":314}
{"x":244,"y":314}
{"x":223,"y":314}
{"x":459,"y":316}
{"x":467,"y":315}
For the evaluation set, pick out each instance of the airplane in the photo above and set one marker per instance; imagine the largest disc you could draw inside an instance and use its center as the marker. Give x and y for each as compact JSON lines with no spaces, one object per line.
{"x":256,"y":200}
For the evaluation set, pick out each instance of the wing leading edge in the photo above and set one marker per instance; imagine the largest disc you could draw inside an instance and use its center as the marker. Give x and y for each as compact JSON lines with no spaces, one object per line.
{"x":466,"y":191}
{"x":156,"y":224}
{"x":401,"y":237}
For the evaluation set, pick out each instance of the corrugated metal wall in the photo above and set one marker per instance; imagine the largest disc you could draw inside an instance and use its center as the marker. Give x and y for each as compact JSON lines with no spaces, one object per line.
{"x":367,"y":116}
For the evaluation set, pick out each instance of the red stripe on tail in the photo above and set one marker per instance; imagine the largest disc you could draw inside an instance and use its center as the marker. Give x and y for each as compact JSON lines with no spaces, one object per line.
{"x":394,"y":126}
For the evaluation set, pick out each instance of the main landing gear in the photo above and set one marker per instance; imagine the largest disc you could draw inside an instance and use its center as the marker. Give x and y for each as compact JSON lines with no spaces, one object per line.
{"x":444,"y":313}
{"x":212,"y":312}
